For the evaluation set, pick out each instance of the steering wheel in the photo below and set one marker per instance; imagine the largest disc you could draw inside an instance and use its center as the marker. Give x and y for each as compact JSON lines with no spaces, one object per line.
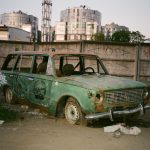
{"x":89,"y":68}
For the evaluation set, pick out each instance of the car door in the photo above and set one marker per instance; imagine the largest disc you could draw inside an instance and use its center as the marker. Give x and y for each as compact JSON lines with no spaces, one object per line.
{"x":8,"y":71}
{"x":37,"y":83}
{"x":23,"y":70}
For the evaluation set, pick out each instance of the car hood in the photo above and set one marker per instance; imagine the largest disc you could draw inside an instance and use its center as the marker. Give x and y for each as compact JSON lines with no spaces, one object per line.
{"x":104,"y":83}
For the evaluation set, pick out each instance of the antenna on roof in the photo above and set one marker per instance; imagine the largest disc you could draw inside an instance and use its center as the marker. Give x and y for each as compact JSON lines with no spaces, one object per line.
{"x":46,"y":20}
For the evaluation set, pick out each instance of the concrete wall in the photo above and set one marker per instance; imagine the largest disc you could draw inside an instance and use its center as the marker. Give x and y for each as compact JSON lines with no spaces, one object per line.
{"x":7,"y":47}
{"x":125,"y":60}
{"x":144,"y":63}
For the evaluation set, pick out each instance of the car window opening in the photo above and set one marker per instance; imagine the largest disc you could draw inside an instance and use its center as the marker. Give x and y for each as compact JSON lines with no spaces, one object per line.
{"x":77,"y":65}
{"x":41,"y":64}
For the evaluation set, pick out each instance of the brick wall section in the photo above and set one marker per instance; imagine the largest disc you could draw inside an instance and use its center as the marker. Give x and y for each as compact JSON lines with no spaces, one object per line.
{"x":121,"y":59}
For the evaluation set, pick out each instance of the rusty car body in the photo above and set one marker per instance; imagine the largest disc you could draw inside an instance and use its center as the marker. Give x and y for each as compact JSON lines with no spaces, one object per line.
{"x":77,"y":86}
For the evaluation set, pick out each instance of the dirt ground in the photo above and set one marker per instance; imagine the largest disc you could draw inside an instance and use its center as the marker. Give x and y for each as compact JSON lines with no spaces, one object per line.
{"x":36,"y":132}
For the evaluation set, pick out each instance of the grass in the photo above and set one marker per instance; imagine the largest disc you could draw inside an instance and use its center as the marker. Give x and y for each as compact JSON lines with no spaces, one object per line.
{"x":8,"y":115}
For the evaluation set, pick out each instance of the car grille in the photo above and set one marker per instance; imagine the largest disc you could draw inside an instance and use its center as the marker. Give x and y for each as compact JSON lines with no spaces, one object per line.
{"x":124,"y":97}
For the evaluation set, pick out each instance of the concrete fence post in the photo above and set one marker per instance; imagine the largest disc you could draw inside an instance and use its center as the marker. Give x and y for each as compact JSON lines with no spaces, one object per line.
{"x":137,"y":62}
{"x":81,"y":46}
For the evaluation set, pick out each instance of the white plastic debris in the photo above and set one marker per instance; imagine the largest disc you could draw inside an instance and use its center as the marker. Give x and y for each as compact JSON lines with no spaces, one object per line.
{"x":111,"y":129}
{"x":135,"y":131}
{"x":117,"y":134}
{"x":123,"y":129}
{"x":1,"y":122}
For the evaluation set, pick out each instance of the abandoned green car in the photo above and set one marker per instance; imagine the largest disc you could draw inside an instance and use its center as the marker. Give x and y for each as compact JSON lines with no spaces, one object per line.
{"x":76,"y":86}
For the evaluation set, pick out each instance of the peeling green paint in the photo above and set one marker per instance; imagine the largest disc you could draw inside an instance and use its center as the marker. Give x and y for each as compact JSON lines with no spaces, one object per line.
{"x":2,"y":79}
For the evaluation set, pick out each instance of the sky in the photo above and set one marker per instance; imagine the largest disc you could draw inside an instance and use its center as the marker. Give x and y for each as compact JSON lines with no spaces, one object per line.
{"x":134,"y":14}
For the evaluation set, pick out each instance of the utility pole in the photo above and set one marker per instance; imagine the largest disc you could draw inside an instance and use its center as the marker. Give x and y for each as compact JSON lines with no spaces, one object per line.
{"x":46,"y":21}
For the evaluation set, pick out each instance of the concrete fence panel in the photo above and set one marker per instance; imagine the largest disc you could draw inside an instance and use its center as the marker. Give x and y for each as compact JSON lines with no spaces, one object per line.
{"x":144,"y":62}
{"x":125,"y":60}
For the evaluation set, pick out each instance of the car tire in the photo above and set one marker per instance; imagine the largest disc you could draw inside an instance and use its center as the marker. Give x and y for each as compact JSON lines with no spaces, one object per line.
{"x":73,"y":113}
{"x":9,"y":96}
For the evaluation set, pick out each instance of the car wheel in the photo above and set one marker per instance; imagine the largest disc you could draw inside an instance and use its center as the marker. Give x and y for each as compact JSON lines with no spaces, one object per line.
{"x":9,"y":96}
{"x":73,"y":113}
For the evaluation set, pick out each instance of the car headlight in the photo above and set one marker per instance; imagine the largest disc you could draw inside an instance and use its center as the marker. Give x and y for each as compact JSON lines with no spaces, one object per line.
{"x":99,"y":98}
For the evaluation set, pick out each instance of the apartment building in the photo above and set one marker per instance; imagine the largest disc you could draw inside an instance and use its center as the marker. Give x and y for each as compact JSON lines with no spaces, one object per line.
{"x":21,"y":21}
{"x":77,"y":23}
{"x":109,"y":29}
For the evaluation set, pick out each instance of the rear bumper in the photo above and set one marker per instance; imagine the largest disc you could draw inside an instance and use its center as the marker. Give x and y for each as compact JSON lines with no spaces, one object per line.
{"x":111,"y":114}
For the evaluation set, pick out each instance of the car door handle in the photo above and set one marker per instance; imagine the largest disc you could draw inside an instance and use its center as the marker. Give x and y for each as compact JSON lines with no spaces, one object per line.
{"x":31,"y":79}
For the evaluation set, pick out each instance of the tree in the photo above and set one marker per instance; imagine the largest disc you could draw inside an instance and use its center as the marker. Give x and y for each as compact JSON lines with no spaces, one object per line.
{"x":108,"y":36}
{"x":121,"y":36}
{"x":136,"y":37}
{"x":99,"y":36}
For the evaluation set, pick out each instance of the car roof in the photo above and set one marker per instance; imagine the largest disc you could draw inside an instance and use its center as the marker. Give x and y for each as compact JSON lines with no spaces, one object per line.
{"x":49,"y":53}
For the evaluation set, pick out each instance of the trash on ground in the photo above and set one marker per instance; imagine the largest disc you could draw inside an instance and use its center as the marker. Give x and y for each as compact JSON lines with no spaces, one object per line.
{"x":24,"y":107}
{"x":1,"y":122}
{"x":119,"y":129}
{"x":117,"y":134}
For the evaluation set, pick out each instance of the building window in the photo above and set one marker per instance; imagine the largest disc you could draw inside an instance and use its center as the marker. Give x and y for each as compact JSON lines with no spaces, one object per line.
{"x":77,"y":12}
{"x":84,"y":13}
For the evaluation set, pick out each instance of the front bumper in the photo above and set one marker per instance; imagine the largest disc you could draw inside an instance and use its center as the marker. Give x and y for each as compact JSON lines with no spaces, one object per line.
{"x":111,"y":114}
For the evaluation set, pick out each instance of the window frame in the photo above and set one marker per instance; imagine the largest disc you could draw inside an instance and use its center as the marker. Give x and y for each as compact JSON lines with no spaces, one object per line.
{"x":7,"y":61}
{"x":19,"y":60}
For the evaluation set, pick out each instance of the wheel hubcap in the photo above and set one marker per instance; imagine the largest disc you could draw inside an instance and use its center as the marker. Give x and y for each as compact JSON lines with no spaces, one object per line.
{"x":72,"y":113}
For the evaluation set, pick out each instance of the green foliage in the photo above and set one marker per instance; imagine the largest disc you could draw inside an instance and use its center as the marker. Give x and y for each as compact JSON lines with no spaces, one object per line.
{"x":8,"y":115}
{"x":108,"y":37}
{"x":121,"y":36}
{"x":98,"y":37}
{"x":127,"y":36}
{"x":136,"y":37}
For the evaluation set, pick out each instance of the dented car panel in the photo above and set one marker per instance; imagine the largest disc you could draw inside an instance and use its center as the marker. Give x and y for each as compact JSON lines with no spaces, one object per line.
{"x":77,"y":85}
{"x":61,"y":90}
{"x":131,"y":92}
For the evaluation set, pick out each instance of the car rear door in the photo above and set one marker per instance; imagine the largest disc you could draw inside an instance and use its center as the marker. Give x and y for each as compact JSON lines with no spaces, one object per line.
{"x":40,"y":81}
{"x":32,"y":85}
{"x":8,"y":71}
{"x":23,"y":70}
